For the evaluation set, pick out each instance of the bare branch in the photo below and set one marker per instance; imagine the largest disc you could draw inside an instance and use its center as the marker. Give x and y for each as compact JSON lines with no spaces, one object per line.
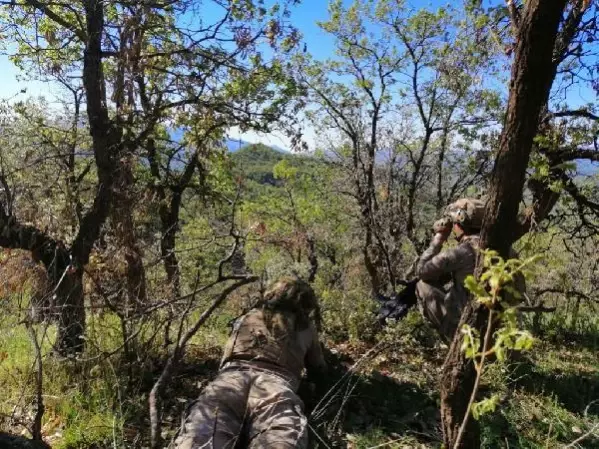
{"x":178,"y":352}
{"x":583,"y":113}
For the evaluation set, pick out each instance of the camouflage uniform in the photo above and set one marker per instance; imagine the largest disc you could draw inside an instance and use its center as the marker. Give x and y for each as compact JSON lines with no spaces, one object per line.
{"x":253,"y":398}
{"x":443,"y":306}
{"x":440,"y":291}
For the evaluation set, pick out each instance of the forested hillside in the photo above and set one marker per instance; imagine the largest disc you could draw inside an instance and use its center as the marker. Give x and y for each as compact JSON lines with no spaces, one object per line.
{"x":127,"y":249}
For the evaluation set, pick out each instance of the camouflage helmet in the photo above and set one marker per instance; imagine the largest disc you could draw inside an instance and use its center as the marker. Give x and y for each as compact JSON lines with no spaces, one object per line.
{"x":467,"y":212}
{"x":291,"y":293}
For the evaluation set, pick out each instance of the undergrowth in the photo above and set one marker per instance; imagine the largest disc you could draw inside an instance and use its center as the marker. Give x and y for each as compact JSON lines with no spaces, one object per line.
{"x":383,"y":392}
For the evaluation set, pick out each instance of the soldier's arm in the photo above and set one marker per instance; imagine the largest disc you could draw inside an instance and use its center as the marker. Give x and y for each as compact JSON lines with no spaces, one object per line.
{"x":433,"y":249}
{"x":436,"y":265}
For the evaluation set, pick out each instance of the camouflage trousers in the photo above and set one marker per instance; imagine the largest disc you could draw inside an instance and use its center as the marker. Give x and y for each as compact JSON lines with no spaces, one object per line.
{"x":440,"y":308}
{"x":444,"y":311}
{"x":250,"y":407}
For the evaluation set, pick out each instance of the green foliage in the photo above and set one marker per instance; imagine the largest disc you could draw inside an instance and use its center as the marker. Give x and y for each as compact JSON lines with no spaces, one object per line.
{"x":497,"y":279}
{"x":349,"y":316}
{"x":487,"y":405}
{"x":256,"y":162}
{"x":411,"y":92}
{"x":82,"y":410}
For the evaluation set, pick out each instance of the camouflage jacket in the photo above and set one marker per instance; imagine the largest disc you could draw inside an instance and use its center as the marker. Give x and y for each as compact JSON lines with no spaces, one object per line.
{"x":455,"y":264}
{"x":251,"y":341}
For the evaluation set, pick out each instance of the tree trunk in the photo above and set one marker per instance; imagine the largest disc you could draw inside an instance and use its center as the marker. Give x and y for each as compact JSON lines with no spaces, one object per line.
{"x":64,"y":277}
{"x":122,"y":217}
{"x":169,"y":219}
{"x":169,"y":228}
{"x":168,"y":210}
{"x":413,"y":187}
{"x":71,"y":321}
{"x":440,"y":204}
{"x":457,"y":384}
{"x":533,"y":72}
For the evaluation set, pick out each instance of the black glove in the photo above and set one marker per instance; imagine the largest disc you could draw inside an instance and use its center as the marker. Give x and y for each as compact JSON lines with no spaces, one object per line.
{"x":397,"y":305}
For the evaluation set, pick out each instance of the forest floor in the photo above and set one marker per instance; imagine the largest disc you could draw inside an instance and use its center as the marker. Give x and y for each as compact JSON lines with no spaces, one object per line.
{"x":382,"y":393}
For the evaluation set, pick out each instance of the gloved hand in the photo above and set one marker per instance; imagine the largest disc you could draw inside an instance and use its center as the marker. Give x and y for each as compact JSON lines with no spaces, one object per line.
{"x":442,"y":228}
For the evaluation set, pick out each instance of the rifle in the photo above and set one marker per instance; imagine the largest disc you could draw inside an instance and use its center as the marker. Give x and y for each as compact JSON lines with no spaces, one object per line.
{"x":398,"y":304}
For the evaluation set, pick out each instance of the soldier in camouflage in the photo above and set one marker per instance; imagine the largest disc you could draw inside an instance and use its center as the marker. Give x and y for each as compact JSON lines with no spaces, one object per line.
{"x":253,"y":402}
{"x":440,"y":292}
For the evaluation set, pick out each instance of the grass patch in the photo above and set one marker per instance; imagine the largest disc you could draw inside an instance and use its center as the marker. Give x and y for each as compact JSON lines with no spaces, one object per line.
{"x":390,"y":401}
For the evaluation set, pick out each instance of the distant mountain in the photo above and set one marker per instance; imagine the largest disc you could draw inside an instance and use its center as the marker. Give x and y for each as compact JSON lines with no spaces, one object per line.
{"x":234,"y":145}
{"x":256,"y":162}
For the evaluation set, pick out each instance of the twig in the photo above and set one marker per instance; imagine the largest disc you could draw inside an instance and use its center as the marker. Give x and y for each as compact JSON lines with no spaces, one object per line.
{"x":349,"y":373}
{"x":540,"y":308}
{"x":384,"y":444}
{"x":36,"y":430}
{"x":346,"y":398}
{"x":583,"y":437}
{"x":318,"y":436}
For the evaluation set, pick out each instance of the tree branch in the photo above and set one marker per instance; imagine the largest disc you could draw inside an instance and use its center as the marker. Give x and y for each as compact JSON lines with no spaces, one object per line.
{"x":583,"y":113}
{"x":58,"y":19}
{"x":178,"y":352}
{"x":514,"y":17}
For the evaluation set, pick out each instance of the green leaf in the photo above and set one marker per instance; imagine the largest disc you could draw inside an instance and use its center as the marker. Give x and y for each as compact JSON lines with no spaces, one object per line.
{"x":485,"y":406}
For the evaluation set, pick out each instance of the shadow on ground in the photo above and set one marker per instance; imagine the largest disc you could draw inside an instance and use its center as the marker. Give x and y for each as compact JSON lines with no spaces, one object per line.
{"x":184,"y":387}
{"x":575,"y":391}
{"x":367,"y":404}
{"x":587,"y":338}
{"x":8,"y":441}
{"x":544,"y":409}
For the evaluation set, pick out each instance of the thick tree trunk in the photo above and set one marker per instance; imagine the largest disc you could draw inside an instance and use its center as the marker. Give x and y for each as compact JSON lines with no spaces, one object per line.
{"x":65,"y":279}
{"x":71,"y":317}
{"x":64,"y":265}
{"x":533,"y":72}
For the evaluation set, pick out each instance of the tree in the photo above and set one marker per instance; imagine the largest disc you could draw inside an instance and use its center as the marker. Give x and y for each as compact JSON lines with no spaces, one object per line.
{"x":543,"y":37}
{"x":140,"y":65}
{"x":404,"y":89}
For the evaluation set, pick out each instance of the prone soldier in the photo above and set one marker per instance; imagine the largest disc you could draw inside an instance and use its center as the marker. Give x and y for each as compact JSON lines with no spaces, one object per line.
{"x":254,"y":400}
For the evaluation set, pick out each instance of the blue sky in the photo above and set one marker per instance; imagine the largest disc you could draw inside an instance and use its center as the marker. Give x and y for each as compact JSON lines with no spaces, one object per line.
{"x":304,"y":17}
{"x":321,"y":46}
